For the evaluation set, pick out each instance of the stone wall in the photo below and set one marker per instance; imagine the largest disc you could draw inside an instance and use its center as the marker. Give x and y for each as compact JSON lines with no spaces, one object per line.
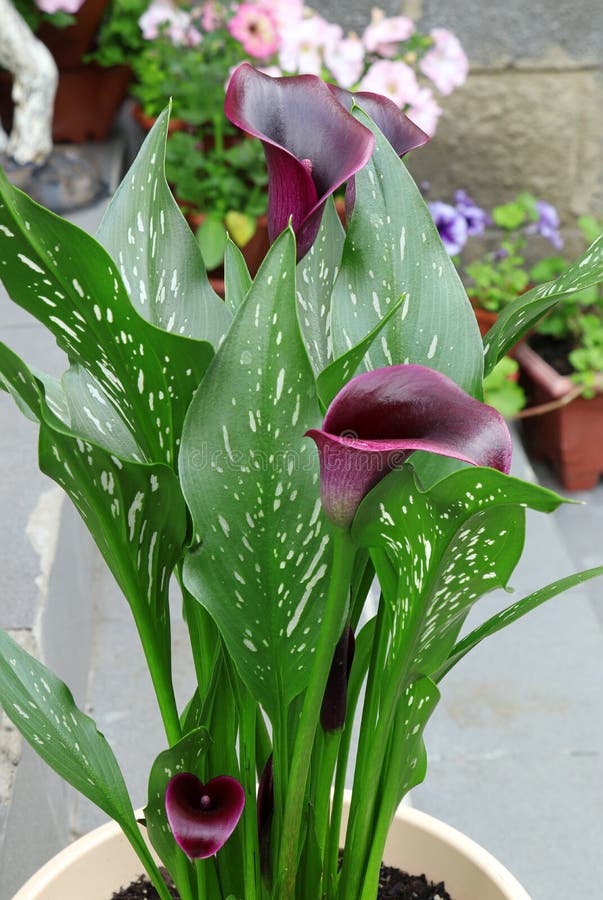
{"x":530,"y":116}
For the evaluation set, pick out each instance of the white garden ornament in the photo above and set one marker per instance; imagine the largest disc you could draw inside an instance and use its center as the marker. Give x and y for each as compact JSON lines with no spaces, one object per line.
{"x":35,"y":82}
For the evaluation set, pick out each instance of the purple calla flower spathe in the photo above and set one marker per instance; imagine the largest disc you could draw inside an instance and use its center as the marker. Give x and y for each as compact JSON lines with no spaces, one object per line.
{"x":312,"y":145}
{"x":451,"y":225}
{"x":400,"y":131}
{"x":203,"y":816}
{"x":396,"y":127}
{"x":379,"y":418}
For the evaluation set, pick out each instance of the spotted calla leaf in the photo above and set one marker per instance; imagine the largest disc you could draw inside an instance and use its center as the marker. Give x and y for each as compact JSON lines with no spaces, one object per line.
{"x":515,"y":320}
{"x":185,"y":756}
{"x":512,"y":613}
{"x":156,"y":252}
{"x":392,"y":247}
{"x":244,"y":459}
{"x":93,"y":416}
{"x":448,"y":546}
{"x":43,"y":709}
{"x":135,"y":512}
{"x":237,"y":279}
{"x":66,"y":279}
{"x":332,"y":379}
{"x":316,"y":274}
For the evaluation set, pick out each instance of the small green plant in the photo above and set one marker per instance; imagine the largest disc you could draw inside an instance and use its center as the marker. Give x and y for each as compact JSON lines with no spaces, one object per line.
{"x":501,"y":388}
{"x":575,"y":326}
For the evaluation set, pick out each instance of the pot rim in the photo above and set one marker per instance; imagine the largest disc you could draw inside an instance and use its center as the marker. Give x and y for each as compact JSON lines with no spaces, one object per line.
{"x":422,"y":822}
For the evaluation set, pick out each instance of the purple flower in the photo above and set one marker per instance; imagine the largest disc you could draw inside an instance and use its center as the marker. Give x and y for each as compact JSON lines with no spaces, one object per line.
{"x":203,"y":816}
{"x":395,"y":126}
{"x":476,"y":218}
{"x":379,"y":418}
{"x":547,"y":224}
{"x":399,"y":130}
{"x":312,"y":145}
{"x":451,"y":225}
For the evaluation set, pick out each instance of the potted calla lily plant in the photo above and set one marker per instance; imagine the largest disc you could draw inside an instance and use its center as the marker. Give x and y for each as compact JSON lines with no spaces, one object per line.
{"x":275,"y":453}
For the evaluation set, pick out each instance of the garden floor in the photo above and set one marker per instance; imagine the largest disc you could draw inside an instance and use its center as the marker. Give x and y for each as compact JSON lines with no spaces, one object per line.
{"x":516,"y":746}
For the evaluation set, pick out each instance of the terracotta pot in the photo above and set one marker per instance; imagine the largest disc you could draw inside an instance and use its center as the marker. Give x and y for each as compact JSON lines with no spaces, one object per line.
{"x":102,"y":862}
{"x":569,"y":436}
{"x":68,"y":45}
{"x":147,"y":122}
{"x":86,"y":102}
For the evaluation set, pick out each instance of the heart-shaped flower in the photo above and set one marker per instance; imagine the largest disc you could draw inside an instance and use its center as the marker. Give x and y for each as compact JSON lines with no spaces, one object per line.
{"x":312,"y":144}
{"x":379,"y":418}
{"x":203,"y":816}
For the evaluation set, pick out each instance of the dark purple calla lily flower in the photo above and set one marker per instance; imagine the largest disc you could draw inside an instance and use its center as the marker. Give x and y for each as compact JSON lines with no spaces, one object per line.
{"x":335,"y":701}
{"x":312,"y":144}
{"x":203,"y":816}
{"x":399,"y":130}
{"x":265,"y":808}
{"x":379,"y":418}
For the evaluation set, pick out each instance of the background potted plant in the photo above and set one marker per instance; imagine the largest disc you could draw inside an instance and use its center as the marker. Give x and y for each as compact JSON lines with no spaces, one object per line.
{"x":92,"y":83}
{"x":219,"y":182}
{"x":498,"y":276}
{"x":275,"y":451}
{"x":563,"y":374}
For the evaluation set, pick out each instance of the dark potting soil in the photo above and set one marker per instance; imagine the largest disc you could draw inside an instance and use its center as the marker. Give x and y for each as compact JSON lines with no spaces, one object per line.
{"x":393,"y":885}
{"x":553,"y":351}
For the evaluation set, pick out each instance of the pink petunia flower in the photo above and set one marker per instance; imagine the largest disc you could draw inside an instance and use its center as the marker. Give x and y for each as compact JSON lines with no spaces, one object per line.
{"x":286,"y":13}
{"x":345,"y":60}
{"x":424,"y":110}
{"x":445,"y":63}
{"x":303,"y":47}
{"x":53,"y":6}
{"x":393,"y":79}
{"x":384,"y":34}
{"x":256,"y":29}
{"x":210,"y":18}
{"x":163,"y":14}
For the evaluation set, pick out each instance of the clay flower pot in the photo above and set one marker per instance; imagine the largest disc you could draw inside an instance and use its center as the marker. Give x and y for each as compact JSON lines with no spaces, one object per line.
{"x":570,"y":435}
{"x":102,"y":862}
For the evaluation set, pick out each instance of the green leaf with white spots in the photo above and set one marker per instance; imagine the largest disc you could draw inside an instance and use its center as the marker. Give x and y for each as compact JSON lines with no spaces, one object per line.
{"x":316,"y":274}
{"x":185,"y":756}
{"x":135,"y":512}
{"x":156,"y":252}
{"x":339,"y":372}
{"x":408,"y":756}
{"x":512,"y":614}
{"x":263,"y":547}
{"x":67,"y":281}
{"x":237,"y":279}
{"x":515,"y":320}
{"x":91,"y":414}
{"x":448,"y":547}
{"x":392,"y":248}
{"x":43,"y":709}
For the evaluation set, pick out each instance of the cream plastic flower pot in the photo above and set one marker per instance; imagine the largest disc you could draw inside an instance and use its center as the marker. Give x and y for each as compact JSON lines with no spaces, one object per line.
{"x":101,"y":862}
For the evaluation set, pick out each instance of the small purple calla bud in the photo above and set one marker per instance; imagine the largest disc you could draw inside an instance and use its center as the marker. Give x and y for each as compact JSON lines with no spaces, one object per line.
{"x":265,"y":807}
{"x":203,"y":816}
{"x":312,"y":144}
{"x":396,"y":127}
{"x":379,"y":418}
{"x":335,"y":702}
